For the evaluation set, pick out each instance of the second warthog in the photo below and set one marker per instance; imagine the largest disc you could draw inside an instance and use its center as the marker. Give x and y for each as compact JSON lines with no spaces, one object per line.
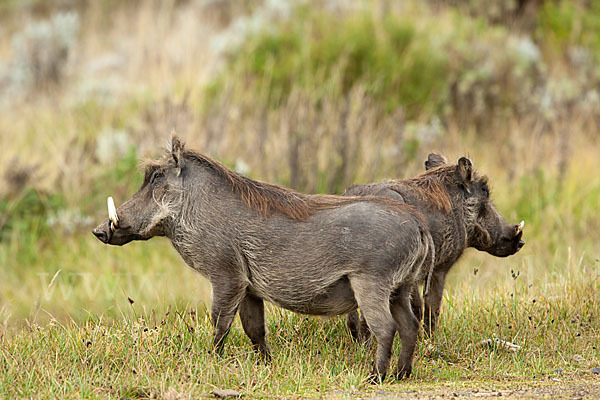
{"x":322,"y":255}
{"x":455,"y":200}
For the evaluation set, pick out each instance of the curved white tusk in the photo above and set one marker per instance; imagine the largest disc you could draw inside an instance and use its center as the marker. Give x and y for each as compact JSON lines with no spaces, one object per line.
{"x":520,"y":227}
{"x":112,"y":212}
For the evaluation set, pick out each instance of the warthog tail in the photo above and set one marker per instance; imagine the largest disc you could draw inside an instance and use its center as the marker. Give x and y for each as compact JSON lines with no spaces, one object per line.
{"x":429,"y":261}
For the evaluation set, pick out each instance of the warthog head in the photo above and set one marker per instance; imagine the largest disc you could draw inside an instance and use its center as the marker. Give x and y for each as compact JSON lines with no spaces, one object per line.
{"x":486,"y":229}
{"x":148,"y":212}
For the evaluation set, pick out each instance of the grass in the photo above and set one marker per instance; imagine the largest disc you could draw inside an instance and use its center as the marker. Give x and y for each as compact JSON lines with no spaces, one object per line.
{"x":145,"y":353}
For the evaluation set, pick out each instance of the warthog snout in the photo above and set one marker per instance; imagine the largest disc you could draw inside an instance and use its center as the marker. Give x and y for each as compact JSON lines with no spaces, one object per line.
{"x":519,"y":234}
{"x":105,"y":230}
{"x":510,"y":242}
{"x":117,"y":230}
{"x":101,"y":234}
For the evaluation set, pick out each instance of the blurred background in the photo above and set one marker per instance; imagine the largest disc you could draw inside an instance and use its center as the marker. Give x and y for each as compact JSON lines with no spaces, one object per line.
{"x":312,"y":95}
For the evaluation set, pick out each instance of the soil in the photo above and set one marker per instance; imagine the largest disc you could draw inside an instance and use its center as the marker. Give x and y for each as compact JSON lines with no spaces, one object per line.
{"x":587,"y":387}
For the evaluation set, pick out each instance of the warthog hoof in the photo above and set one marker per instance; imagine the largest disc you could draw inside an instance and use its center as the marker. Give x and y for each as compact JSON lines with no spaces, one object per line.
{"x":403,"y":373}
{"x":375,"y":378}
{"x":265,"y":356}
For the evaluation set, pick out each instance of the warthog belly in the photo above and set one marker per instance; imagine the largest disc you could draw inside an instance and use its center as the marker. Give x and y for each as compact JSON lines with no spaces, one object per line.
{"x":336,"y":299}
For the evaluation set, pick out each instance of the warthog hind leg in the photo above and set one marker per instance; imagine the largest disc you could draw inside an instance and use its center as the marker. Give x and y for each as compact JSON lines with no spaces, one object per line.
{"x":252,"y":314}
{"x":408,"y":330}
{"x":359,"y":329}
{"x":373,"y":301}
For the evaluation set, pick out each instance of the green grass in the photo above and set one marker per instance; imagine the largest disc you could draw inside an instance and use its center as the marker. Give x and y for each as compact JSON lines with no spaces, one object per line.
{"x":144,"y":352}
{"x":320,"y":53}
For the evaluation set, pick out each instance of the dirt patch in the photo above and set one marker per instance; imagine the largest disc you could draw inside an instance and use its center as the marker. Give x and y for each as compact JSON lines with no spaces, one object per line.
{"x":554,"y":388}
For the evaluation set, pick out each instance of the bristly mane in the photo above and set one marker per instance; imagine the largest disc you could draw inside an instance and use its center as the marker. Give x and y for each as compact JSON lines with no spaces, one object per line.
{"x":431,"y":184}
{"x":266,"y":197}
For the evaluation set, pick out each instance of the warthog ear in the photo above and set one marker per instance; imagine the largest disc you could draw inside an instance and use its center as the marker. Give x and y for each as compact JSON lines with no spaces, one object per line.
{"x":177,"y":151}
{"x":435,"y":160}
{"x":465,"y":170}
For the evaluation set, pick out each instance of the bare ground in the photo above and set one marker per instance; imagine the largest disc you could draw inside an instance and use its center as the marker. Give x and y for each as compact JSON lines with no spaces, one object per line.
{"x":585,"y":387}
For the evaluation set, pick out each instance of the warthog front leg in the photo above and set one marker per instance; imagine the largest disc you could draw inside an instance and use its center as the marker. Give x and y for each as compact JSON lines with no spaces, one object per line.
{"x":252,"y":314}
{"x":433,"y":301}
{"x":408,"y":329}
{"x":227,"y":295}
{"x":373,"y":301}
{"x":359,"y":329}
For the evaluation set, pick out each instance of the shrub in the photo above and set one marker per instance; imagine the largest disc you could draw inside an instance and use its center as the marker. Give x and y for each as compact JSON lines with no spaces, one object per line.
{"x":25,"y":216}
{"x":471,"y":72}
{"x":494,"y":73}
{"x":42,"y":51}
{"x":564,"y":24}
{"x":322,"y":52}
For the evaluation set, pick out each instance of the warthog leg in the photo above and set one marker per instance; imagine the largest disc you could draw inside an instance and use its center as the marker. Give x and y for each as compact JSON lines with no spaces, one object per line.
{"x":358,"y":327}
{"x":417,"y":304}
{"x":352,"y":324}
{"x":252,"y":314}
{"x":433,"y":301}
{"x":408,"y":329}
{"x":364,"y":333}
{"x":373,"y":301}
{"x":227,"y":295}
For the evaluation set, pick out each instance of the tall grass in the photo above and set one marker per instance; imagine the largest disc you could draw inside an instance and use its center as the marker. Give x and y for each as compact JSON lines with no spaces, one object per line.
{"x":146,"y":353}
{"x":331,"y":125}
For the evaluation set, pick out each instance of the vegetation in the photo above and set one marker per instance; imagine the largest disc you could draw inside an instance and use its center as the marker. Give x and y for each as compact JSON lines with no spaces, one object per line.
{"x":395,"y":64}
{"x":167,"y":354}
{"x":315,"y":97}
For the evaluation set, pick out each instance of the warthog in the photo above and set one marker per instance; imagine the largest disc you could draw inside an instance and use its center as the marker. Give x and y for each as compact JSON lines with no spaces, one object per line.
{"x":455,"y":201}
{"x":311,"y":254}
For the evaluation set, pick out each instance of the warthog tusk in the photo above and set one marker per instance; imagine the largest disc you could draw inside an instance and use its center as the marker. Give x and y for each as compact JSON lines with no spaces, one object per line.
{"x":520,"y":227}
{"x":112,"y":213}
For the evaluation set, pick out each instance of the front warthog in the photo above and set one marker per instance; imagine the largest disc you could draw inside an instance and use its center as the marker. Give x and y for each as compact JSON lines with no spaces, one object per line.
{"x":455,"y":201}
{"x":321,"y":255}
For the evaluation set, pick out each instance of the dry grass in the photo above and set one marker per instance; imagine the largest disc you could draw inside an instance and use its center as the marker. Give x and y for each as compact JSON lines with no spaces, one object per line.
{"x":148,"y":353}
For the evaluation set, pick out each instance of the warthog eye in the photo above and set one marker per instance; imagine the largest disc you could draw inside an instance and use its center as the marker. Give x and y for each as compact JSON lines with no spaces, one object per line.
{"x":486,"y":190}
{"x":156,"y":175}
